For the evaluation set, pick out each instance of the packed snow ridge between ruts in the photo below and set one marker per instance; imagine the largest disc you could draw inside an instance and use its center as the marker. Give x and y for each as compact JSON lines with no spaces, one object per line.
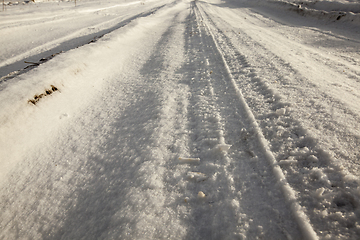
{"x":180,"y":120}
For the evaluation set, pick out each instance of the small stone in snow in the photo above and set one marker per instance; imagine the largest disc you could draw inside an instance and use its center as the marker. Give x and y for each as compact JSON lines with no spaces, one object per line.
{"x":201,"y":195}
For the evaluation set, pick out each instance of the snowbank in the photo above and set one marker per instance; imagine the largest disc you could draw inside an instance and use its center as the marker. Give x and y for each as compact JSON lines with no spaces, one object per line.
{"x":326,"y":10}
{"x":329,"y":11}
{"x":331,"y":6}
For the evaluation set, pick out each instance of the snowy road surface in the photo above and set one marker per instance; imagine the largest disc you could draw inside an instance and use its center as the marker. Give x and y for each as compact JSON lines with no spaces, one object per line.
{"x":179,"y":120}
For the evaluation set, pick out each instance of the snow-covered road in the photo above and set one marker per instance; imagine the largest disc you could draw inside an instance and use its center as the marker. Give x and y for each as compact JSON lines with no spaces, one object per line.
{"x":178,"y":120}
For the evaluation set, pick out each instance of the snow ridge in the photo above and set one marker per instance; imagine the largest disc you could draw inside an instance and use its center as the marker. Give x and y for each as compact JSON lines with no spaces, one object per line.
{"x":335,"y":12}
{"x":19,"y":64}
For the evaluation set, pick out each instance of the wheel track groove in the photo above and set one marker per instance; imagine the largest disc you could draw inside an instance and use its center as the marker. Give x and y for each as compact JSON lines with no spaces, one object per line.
{"x":319,"y":184}
{"x":238,"y":181}
{"x":302,"y":219}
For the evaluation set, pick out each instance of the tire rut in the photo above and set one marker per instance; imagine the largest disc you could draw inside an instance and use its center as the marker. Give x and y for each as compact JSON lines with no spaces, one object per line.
{"x":240,"y":181}
{"x":321,"y":187}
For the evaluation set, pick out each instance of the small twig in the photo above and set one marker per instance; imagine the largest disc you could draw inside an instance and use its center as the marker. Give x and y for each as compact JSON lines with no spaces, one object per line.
{"x":33,"y":63}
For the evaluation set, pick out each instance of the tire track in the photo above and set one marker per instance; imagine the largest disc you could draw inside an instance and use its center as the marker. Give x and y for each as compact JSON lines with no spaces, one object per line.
{"x":321,"y":188}
{"x":241,"y":191}
{"x":301,"y":218}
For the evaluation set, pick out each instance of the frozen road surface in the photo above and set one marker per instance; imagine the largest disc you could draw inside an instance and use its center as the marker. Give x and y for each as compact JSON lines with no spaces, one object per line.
{"x":180,"y":119}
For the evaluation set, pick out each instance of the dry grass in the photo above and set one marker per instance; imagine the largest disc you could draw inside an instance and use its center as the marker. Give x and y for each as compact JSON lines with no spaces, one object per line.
{"x":47,"y":92}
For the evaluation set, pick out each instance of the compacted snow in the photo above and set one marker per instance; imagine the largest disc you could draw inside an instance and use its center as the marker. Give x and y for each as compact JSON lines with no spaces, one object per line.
{"x":180,"y":119}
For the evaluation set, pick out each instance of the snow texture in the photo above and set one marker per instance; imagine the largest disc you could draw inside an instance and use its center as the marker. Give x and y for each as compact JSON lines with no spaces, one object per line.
{"x":161,"y":119}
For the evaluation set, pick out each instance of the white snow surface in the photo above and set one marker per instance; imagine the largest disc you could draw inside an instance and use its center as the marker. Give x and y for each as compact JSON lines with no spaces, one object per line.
{"x":161,"y":119}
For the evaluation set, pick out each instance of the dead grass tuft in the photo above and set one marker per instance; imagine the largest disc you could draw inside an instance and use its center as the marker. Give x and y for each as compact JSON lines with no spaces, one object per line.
{"x":47,"y":92}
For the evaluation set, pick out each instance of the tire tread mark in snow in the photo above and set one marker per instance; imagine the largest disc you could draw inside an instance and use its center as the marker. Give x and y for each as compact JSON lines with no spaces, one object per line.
{"x":204,"y":135}
{"x":302,"y":219}
{"x":238,"y":184}
{"x":328,"y":183}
